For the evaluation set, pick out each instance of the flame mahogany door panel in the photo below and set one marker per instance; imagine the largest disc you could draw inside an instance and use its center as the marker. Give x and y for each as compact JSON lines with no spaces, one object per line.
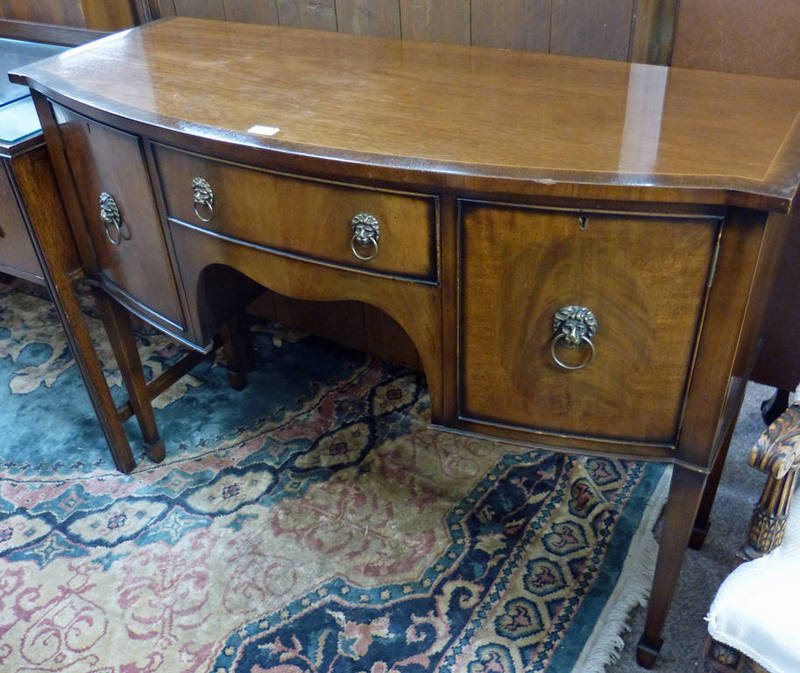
{"x":645,"y":280}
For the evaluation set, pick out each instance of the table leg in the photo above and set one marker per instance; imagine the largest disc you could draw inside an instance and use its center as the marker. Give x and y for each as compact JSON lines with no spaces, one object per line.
{"x":37,"y":194}
{"x":685,"y":493}
{"x":775,"y":405}
{"x":118,"y":327}
{"x":237,"y":344}
{"x":79,"y":338}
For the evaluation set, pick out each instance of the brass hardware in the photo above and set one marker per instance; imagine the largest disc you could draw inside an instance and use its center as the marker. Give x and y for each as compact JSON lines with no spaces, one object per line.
{"x":366,"y":232}
{"x":112,"y":221}
{"x":573,"y":327}
{"x":203,"y":197}
{"x":583,"y":222}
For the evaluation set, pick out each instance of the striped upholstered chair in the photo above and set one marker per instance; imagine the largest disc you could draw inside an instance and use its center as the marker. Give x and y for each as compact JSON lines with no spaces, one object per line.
{"x":754,"y":620}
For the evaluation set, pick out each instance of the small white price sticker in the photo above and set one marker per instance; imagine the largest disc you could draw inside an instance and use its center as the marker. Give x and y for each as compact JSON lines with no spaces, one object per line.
{"x":263,"y":130}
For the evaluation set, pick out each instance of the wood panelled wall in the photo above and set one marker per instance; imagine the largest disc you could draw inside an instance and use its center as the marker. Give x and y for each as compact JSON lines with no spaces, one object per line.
{"x":615,"y":29}
{"x":105,"y":15}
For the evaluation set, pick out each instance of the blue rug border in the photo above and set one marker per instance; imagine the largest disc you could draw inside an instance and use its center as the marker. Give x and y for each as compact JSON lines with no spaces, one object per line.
{"x":579,"y":631}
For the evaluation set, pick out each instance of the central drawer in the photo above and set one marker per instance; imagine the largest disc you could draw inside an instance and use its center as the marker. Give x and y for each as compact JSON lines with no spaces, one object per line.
{"x":302,"y":216}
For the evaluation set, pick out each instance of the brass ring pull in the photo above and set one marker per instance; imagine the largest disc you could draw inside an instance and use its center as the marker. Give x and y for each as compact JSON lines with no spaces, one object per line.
{"x":203,"y":197}
{"x":366,"y":232}
{"x":573,"y":327}
{"x":586,"y":362}
{"x":110,"y":217}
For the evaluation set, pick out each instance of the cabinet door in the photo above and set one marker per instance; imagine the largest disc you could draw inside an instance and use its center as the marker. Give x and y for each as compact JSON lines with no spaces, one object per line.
{"x":16,"y":250}
{"x":109,"y":171}
{"x":644,"y":279}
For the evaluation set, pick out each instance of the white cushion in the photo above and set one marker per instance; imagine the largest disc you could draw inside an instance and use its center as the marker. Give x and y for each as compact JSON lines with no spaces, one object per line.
{"x":757,"y":607}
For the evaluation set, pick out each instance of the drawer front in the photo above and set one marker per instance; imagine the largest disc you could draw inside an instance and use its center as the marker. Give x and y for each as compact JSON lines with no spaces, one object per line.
{"x":16,"y":249}
{"x":644,"y":279}
{"x":131,"y":254}
{"x":302,"y":216}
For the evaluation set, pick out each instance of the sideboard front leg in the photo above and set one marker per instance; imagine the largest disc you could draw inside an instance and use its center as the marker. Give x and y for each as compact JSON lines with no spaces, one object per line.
{"x":685,"y":493}
{"x":118,"y":327}
{"x":55,"y":250}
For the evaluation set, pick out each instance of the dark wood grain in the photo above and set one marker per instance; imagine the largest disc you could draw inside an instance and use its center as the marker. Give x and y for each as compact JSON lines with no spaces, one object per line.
{"x":520,"y":24}
{"x":63,"y":12}
{"x":111,"y":15}
{"x":165,"y":8}
{"x":654,"y":31}
{"x":101,"y":15}
{"x":601,"y":28}
{"x":255,"y":11}
{"x":42,"y":32}
{"x":202,"y":9}
{"x":760,"y":38}
{"x":379,"y":18}
{"x":436,"y":20}
{"x":317,"y":14}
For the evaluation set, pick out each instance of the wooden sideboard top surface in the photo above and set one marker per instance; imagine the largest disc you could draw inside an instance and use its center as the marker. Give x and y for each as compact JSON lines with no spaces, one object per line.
{"x":476,"y":117}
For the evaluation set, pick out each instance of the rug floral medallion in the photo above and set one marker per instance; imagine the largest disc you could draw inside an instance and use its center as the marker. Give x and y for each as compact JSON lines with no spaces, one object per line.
{"x":311,"y":523}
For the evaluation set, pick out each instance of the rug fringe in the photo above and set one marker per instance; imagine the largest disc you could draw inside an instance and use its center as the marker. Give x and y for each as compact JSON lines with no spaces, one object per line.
{"x":633,"y":588}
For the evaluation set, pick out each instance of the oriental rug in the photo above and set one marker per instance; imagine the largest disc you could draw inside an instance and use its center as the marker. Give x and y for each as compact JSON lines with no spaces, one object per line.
{"x":311,"y":523}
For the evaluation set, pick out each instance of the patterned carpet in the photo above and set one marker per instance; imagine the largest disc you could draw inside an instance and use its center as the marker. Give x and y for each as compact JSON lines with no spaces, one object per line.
{"x":310,"y":523}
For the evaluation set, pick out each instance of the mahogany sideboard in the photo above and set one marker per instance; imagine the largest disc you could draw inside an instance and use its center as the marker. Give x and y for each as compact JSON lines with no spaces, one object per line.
{"x":580,"y":250}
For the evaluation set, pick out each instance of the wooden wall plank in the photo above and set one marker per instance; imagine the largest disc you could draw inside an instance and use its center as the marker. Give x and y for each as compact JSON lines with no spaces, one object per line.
{"x":435,"y":20}
{"x":59,"y":12}
{"x":519,"y":24}
{"x":759,"y":38}
{"x":201,"y":9}
{"x":318,"y":14}
{"x":164,"y":8}
{"x":600,"y":28}
{"x":378,"y":18}
{"x":653,"y":31}
{"x":108,"y":15}
{"x":251,"y":11}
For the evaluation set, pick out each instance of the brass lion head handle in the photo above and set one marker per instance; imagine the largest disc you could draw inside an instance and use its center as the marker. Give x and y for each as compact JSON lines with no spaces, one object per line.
{"x":203,"y":197}
{"x":110,"y":217}
{"x":366,"y":232}
{"x":573,"y":327}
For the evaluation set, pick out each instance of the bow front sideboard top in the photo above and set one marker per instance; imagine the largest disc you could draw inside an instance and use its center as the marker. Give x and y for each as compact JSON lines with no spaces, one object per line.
{"x":580,"y":250}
